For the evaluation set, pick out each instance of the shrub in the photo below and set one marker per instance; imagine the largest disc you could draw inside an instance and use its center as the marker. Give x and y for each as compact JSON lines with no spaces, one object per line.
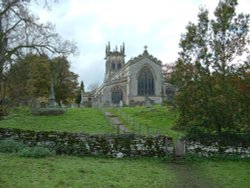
{"x":36,"y":152}
{"x":11,"y":146}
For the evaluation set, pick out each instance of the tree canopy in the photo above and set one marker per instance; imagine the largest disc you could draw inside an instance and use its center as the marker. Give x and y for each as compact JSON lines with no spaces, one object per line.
{"x":212,"y":71}
{"x":30,"y":79}
{"x":22,"y":33}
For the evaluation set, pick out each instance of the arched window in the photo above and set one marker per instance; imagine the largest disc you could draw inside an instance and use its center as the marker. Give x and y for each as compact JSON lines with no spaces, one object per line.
{"x":113,"y":66}
{"x":116,"y":95}
{"x":119,"y":65}
{"x":145,"y":82}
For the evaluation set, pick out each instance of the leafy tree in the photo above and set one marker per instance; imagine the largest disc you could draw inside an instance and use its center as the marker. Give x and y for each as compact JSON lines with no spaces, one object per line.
{"x":30,"y":78}
{"x":21,"y":32}
{"x":65,"y":81}
{"x":210,"y":82}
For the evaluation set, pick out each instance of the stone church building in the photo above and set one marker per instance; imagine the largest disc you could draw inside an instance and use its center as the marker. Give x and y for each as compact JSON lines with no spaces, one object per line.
{"x":135,"y":82}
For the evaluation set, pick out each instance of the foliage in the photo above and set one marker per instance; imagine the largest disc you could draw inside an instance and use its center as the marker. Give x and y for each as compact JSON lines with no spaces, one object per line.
{"x":22,"y":150}
{"x":21,"y":32}
{"x":30,"y":78}
{"x":79,"y":94}
{"x":11,"y":146}
{"x":213,"y":90}
{"x":65,"y":81}
{"x":225,"y":138}
{"x":89,"y":120}
{"x":35,"y":152}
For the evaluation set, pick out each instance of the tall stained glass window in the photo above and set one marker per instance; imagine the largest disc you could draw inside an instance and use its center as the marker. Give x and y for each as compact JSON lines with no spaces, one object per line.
{"x":145,"y":82}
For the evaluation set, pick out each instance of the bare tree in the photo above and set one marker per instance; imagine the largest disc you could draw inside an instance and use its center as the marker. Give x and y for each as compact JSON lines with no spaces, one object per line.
{"x":21,"y":32}
{"x":93,"y":87}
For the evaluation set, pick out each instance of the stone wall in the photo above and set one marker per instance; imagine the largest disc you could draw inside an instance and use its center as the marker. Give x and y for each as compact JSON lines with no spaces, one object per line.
{"x":124,"y":145}
{"x":196,"y":148}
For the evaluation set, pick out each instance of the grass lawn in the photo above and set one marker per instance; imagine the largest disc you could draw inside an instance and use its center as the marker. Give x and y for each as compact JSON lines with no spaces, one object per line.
{"x":228,"y":173}
{"x":68,"y":171}
{"x":89,"y":120}
{"x":212,"y":174}
{"x":157,"y":119}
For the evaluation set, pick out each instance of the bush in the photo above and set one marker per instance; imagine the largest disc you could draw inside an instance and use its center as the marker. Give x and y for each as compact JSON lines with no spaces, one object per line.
{"x":11,"y":146}
{"x":36,"y":152}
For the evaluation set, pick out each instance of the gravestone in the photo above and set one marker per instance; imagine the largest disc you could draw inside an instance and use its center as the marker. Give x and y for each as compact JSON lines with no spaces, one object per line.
{"x":121,"y":103}
{"x":148,"y":103}
{"x":52,"y":108}
{"x":52,"y":99}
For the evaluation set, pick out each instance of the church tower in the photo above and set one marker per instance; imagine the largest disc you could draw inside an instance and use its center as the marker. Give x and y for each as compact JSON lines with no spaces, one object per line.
{"x":115,"y":60}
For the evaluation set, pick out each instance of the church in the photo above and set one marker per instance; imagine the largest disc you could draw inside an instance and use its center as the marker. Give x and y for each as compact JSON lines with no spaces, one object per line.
{"x":131,"y":83}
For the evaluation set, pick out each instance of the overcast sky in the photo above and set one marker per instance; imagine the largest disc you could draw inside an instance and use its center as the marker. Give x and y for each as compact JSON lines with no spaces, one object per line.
{"x":93,"y":23}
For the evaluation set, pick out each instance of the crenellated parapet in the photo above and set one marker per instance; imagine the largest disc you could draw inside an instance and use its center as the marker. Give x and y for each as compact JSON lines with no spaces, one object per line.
{"x":115,"y":60}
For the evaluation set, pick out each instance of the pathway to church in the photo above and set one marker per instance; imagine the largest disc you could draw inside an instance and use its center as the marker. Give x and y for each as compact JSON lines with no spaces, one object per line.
{"x":115,"y":121}
{"x":189,"y":176}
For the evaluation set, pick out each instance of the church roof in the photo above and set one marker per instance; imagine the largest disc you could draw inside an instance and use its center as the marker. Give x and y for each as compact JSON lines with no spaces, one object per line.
{"x":145,"y":54}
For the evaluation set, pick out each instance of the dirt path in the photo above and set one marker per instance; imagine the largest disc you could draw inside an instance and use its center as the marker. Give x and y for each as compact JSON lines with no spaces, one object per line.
{"x":189,"y":176}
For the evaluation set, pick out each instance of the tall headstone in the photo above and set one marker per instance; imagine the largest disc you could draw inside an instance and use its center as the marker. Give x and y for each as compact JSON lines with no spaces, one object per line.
{"x":52,"y":99}
{"x":148,"y":103}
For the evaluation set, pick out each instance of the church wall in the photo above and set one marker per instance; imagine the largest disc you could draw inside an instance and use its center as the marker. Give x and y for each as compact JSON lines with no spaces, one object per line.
{"x":133,"y":79}
{"x":127,"y":75}
{"x":104,"y":97}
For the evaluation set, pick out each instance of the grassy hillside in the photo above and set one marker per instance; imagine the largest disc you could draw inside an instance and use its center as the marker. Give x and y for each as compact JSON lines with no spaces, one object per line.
{"x":155,"y":120}
{"x":140,"y":120}
{"x":89,"y":120}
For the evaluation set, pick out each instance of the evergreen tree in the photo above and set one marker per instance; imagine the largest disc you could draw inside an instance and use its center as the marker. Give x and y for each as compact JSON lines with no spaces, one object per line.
{"x":79,"y":94}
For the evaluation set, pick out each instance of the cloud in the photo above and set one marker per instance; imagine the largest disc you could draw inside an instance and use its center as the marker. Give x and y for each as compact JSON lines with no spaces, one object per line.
{"x":92,"y":23}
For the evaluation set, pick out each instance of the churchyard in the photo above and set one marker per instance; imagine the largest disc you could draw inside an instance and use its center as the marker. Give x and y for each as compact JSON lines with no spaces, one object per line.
{"x":106,"y":171}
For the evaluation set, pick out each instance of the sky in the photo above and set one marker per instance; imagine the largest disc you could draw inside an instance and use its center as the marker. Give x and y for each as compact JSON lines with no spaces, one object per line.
{"x":93,"y":23}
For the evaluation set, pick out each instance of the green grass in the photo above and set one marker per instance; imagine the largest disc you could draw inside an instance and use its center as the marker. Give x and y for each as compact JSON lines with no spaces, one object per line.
{"x":157,"y":119}
{"x":228,"y":173}
{"x":68,"y":171}
{"x":207,"y":173}
{"x":89,"y":120}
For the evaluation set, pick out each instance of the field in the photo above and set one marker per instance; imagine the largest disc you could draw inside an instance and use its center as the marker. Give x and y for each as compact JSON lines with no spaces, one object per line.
{"x":89,"y":120}
{"x":68,"y":171}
